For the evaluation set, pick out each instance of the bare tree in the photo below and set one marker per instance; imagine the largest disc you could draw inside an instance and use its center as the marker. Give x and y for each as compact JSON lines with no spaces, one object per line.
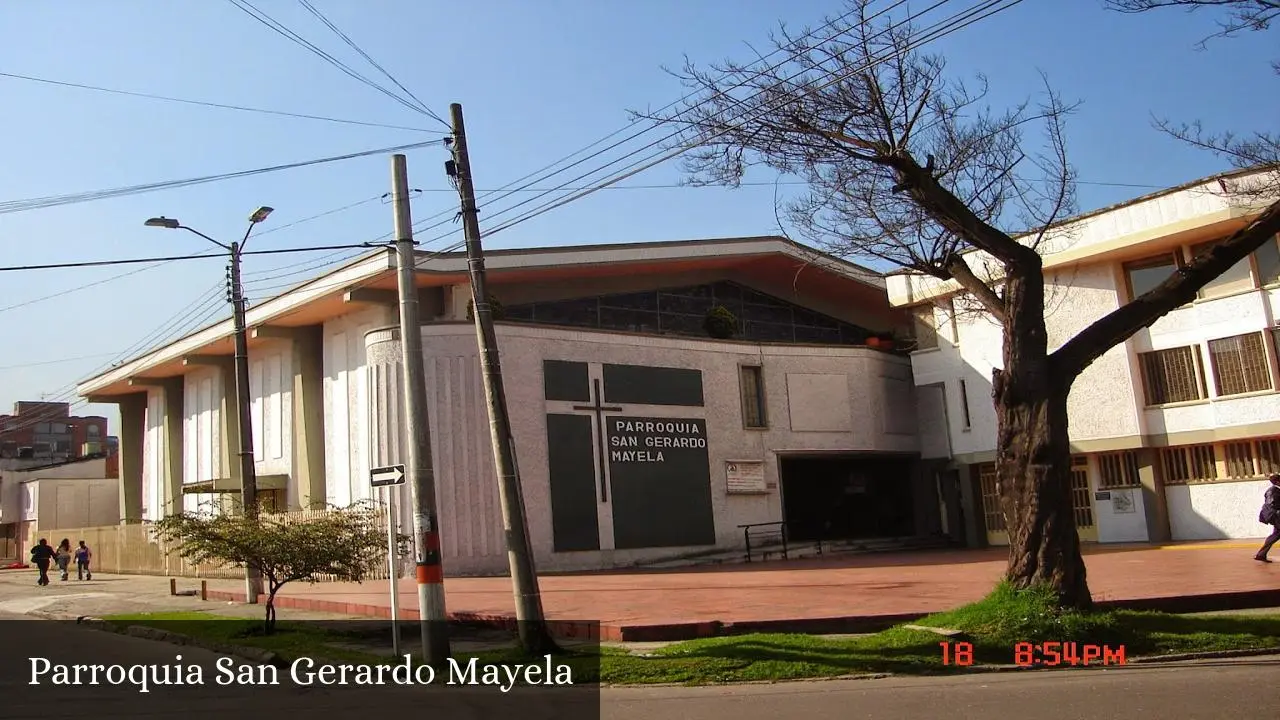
{"x":906,"y":165}
{"x":1258,"y":149}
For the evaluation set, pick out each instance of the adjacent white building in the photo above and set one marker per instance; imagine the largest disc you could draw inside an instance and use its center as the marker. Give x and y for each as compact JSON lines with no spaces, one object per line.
{"x":1173,"y":430}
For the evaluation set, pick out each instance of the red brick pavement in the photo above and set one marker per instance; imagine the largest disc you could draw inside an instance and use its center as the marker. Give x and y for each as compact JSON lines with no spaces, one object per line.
{"x":834,"y":594}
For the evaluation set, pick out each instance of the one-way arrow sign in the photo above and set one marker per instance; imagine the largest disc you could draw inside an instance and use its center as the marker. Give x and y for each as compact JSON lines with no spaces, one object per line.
{"x":389,"y":475}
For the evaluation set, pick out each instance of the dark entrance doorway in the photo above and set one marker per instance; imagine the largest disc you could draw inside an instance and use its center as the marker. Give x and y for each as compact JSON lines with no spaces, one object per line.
{"x":847,"y":497}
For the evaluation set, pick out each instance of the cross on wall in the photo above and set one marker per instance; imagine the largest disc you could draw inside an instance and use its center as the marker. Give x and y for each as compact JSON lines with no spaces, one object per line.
{"x":598,"y":409}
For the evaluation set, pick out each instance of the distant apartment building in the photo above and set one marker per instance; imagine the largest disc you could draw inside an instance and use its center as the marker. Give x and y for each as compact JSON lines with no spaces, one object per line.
{"x":47,"y":431}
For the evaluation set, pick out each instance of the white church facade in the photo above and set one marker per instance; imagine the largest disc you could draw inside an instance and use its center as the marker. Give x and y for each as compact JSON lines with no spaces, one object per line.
{"x":639,"y":437}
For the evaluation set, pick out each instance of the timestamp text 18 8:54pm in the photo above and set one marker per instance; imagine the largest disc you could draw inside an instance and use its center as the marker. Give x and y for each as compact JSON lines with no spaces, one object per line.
{"x":1041,"y":654}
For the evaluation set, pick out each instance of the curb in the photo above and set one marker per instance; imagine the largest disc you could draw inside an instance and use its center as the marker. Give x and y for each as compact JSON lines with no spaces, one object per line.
{"x":1211,"y":655}
{"x":974,"y":670}
{"x":560,"y":629}
{"x":262,"y":657}
{"x":676,"y":632}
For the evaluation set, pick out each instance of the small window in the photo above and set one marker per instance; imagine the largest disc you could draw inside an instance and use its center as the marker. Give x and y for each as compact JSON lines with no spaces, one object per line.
{"x":1119,"y":470}
{"x":950,"y":321}
{"x":1237,"y":278}
{"x":1189,"y":464}
{"x":1267,"y":258}
{"x":1145,"y":275}
{"x":1171,"y":376}
{"x":964,"y":405}
{"x":42,"y":428}
{"x":58,"y":428}
{"x":753,"y":404}
{"x":925,"y":327}
{"x":1240,"y":364}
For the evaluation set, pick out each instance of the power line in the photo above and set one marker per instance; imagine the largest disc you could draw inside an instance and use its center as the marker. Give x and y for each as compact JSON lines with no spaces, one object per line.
{"x":317,"y":216}
{"x":280,"y":29}
{"x":654,"y":125}
{"x":352,"y":44}
{"x":42,"y":363}
{"x":131,"y":261}
{"x":664,"y":186}
{"x":940,"y":29}
{"x":302,"y":268}
{"x":68,"y":291}
{"x":56,"y":200}
{"x":322,"y":285}
{"x":129,"y":273}
{"x":210,"y":300}
{"x":202,"y":103}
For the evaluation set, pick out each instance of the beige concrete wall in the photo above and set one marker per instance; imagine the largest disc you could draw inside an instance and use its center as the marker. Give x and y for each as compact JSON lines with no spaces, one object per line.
{"x":76,"y":502}
{"x":203,"y":428}
{"x":864,"y":401}
{"x":271,"y":407}
{"x":346,"y":405}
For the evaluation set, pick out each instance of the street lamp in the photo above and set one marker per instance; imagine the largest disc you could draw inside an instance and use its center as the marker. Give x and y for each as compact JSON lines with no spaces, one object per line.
{"x":248,"y":474}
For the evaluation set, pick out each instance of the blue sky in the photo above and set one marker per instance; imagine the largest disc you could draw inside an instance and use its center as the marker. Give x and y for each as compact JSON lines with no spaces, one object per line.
{"x":538,"y":81}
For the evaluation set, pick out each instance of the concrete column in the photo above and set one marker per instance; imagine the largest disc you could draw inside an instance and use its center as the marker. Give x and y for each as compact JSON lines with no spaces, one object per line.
{"x":133,"y":428}
{"x":174,"y":390}
{"x":975,"y":525}
{"x":230,"y":414}
{"x":1154,"y":500}
{"x":308,"y":419}
{"x":928,"y":519}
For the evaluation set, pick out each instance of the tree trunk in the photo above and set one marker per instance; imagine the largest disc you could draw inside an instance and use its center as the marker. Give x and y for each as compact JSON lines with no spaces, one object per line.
{"x":270,"y":625}
{"x":1033,"y":465}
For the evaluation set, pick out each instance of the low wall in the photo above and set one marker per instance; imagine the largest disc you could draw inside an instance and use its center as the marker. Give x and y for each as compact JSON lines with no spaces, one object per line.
{"x":134,"y":550}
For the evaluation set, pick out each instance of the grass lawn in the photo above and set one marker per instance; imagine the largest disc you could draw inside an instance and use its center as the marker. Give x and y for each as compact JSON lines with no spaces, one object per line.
{"x":993,"y":627}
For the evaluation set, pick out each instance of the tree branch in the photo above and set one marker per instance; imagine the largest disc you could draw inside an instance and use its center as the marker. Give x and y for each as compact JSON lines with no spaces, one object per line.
{"x":956,"y":216}
{"x":963,"y":274}
{"x":1112,"y":329}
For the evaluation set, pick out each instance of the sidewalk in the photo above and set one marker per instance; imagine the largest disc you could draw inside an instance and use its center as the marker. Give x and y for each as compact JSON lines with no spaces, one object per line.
{"x":829,"y":595}
{"x":120,"y":595}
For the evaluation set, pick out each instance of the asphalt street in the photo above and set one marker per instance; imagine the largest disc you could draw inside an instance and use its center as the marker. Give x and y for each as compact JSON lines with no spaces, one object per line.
{"x":1207,"y":690}
{"x":66,"y":643}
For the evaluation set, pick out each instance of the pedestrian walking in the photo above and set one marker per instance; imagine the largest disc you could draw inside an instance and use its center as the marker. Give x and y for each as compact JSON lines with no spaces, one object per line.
{"x":1270,"y":515}
{"x":42,"y":555}
{"x":63,"y":557}
{"x":83,"y":555}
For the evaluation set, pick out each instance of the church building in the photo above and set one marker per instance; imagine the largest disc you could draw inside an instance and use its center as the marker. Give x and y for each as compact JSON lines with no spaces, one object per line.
{"x":662,"y":396}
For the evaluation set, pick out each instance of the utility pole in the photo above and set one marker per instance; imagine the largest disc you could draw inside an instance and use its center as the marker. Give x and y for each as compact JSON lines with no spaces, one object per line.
{"x":534,"y":636}
{"x":420,"y":469}
{"x":235,"y":294}
{"x":248,"y":471}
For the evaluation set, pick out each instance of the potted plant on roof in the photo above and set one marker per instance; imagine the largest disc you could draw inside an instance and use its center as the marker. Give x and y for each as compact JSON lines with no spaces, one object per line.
{"x":495,"y":308}
{"x":720,"y":323}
